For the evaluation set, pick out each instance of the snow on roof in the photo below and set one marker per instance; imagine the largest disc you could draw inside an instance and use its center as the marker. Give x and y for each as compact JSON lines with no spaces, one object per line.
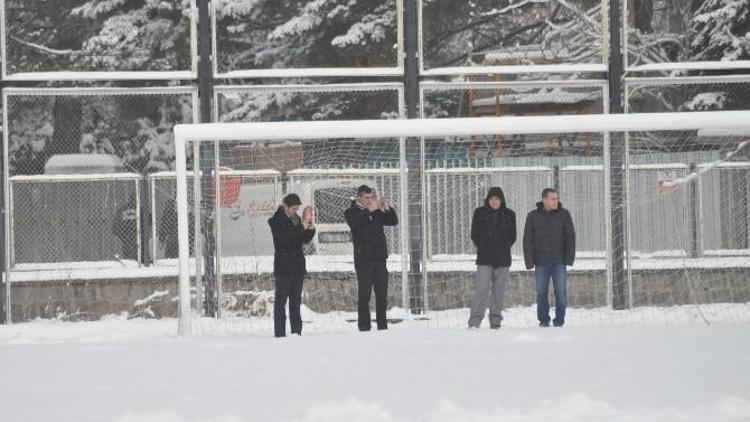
{"x":481,"y":170}
{"x":517,"y":69}
{"x":358,"y":171}
{"x":534,"y":52}
{"x":83,"y":163}
{"x":74,"y":177}
{"x":723,"y":132}
{"x":554,"y":97}
{"x":697,"y":65}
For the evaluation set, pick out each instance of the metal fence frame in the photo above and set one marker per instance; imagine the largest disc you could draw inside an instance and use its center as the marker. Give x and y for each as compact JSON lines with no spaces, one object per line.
{"x":312,"y":88}
{"x":634,"y":83}
{"x":58,"y":178}
{"x":50,"y":92}
{"x":408,"y":62}
{"x":583,"y":83}
{"x":671,"y":66}
{"x":742,"y":165}
{"x":482,"y":85}
{"x":512,"y":69}
{"x":396,"y":70}
{"x":191,"y":73}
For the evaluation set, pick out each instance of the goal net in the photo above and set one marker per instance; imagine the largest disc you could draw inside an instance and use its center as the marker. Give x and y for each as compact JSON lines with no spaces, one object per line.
{"x":660,"y":202}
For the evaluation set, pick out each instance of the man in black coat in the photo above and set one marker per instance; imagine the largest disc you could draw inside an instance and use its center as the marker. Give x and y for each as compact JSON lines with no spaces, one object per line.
{"x":366,"y":218}
{"x":493,"y":231}
{"x":125,"y":227}
{"x":289,"y":233}
{"x":549,"y":244}
{"x":167,"y":230}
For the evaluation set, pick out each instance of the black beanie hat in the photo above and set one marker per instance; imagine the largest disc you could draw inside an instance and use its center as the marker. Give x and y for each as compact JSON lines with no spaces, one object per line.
{"x":292,"y":199}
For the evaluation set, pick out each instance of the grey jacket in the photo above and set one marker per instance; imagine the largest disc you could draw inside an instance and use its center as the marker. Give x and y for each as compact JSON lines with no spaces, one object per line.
{"x":549,"y":237}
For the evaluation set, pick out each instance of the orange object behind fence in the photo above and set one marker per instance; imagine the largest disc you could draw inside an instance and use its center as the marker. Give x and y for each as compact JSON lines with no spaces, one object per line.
{"x":230,"y":186}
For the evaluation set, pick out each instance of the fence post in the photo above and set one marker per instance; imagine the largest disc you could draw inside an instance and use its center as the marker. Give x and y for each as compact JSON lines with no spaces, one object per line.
{"x":694,"y":210}
{"x":146,"y":220}
{"x":617,"y":161}
{"x":207,"y":158}
{"x":5,"y":309}
{"x":414,"y":157}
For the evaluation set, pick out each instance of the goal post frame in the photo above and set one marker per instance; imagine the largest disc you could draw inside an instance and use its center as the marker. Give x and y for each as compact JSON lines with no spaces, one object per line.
{"x":413,"y":128}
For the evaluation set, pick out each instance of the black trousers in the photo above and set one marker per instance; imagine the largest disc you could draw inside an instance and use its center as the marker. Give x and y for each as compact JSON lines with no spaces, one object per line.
{"x":371,"y":274}
{"x":287,"y":287}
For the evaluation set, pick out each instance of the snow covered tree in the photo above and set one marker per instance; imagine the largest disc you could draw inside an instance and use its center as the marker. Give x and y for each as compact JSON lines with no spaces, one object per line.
{"x":104,"y":35}
{"x":42,"y":35}
{"x":257,"y":34}
{"x":98,"y":35}
{"x":135,"y":35}
{"x":720,"y":30}
{"x":492,"y":32}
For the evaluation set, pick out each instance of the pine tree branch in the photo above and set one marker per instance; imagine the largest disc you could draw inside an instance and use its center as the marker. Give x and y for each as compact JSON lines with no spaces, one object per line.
{"x":41,"y":48}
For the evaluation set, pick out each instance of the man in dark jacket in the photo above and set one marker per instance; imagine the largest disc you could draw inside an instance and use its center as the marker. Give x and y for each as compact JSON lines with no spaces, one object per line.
{"x":167,"y":230}
{"x":493,"y":231}
{"x":125,"y":227}
{"x":289,"y":233}
{"x":366,"y":218}
{"x":549,"y":244}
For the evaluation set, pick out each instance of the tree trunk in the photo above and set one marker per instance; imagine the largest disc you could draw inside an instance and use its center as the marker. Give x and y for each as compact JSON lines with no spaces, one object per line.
{"x":66,"y":138}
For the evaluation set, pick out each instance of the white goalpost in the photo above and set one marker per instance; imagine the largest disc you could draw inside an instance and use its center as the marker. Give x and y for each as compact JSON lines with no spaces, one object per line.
{"x":580,"y":142}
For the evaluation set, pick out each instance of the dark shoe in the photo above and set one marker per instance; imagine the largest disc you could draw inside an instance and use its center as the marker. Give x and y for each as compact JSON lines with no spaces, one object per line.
{"x":558,"y":324}
{"x":544,"y":324}
{"x":494,"y":326}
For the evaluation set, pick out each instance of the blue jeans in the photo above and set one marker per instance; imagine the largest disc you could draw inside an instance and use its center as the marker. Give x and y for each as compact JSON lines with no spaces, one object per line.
{"x":559,"y":275}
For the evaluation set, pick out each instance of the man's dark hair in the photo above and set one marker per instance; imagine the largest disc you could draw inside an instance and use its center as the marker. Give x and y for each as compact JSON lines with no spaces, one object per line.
{"x":291,"y":200}
{"x":547,"y":191}
{"x":363,"y":190}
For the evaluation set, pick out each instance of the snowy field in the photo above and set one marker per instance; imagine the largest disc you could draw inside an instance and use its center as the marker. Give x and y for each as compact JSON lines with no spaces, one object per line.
{"x":137,"y":370}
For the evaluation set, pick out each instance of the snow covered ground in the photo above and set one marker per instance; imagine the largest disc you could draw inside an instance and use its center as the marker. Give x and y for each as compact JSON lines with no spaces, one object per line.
{"x":137,"y":370}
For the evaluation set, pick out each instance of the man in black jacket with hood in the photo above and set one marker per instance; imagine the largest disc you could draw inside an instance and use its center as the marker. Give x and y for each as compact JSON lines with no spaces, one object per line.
{"x":289,"y":233}
{"x":493,"y":231}
{"x":366,"y":218}
{"x":549,"y":244}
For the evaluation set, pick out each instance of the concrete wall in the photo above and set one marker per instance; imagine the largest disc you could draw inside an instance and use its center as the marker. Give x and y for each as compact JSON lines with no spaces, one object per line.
{"x":324,"y":292}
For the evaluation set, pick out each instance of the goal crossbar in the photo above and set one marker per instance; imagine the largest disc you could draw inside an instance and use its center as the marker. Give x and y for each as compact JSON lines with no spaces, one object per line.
{"x":738,"y":121}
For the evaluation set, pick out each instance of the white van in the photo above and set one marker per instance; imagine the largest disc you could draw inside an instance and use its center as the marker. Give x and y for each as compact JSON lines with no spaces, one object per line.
{"x":329,"y":198}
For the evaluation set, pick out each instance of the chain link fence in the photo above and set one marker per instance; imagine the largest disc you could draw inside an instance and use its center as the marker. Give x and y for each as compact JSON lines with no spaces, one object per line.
{"x":687,"y":93}
{"x":89,"y":187}
{"x":485,"y":33}
{"x":308,"y":39}
{"x":84,"y":40}
{"x":77,"y":191}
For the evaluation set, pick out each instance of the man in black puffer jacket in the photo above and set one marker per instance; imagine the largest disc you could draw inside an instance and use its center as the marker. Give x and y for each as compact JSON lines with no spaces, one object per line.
{"x":366,"y":218}
{"x":493,"y":231}
{"x":549,"y":244}
{"x":289,"y":233}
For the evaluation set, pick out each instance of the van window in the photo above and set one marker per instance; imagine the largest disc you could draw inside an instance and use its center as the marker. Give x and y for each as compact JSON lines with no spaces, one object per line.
{"x":330,"y":204}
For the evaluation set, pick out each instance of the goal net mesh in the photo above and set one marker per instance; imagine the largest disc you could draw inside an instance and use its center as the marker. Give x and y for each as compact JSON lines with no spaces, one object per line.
{"x":674,"y":203}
